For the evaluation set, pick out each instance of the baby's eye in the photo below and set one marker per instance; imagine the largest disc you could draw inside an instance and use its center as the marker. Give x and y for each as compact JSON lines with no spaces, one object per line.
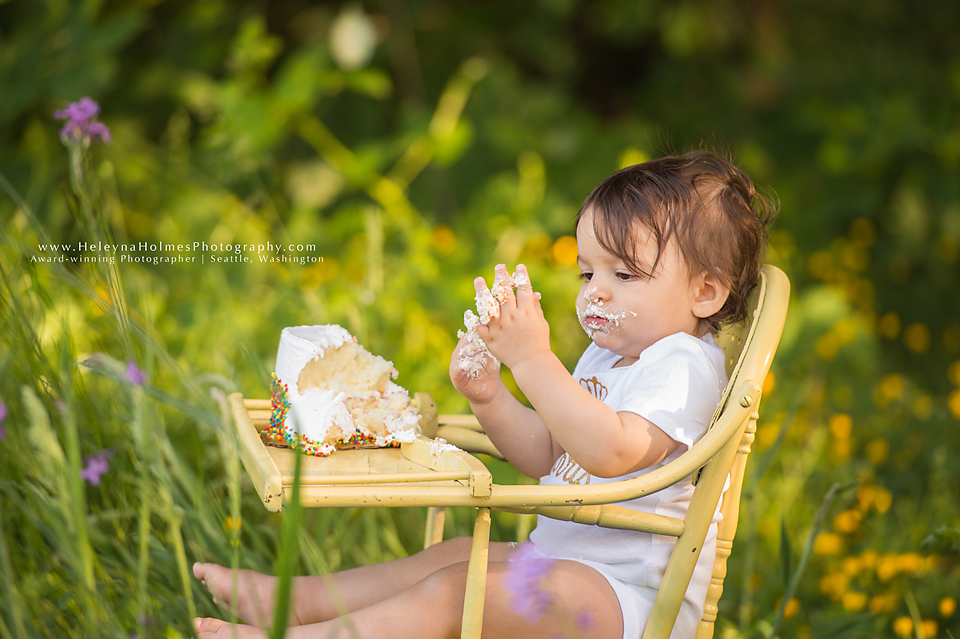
{"x":586,"y":276}
{"x":625,"y":277}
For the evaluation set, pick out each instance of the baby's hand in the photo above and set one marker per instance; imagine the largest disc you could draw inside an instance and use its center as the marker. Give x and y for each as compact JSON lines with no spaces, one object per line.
{"x":475,"y":376}
{"x":520,"y":332}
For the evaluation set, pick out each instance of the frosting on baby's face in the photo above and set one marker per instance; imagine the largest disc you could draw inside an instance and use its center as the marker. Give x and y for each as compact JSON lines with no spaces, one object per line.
{"x":598,"y":319}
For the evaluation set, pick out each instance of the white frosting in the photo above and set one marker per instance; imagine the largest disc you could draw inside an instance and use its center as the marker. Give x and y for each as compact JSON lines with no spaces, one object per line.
{"x":316,"y":410}
{"x":439,"y":446}
{"x":595,"y":308}
{"x":475,"y":353}
{"x":302,"y":344}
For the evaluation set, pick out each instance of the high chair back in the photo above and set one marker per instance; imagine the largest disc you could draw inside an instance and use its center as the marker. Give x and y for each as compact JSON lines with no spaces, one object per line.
{"x":750,"y":346}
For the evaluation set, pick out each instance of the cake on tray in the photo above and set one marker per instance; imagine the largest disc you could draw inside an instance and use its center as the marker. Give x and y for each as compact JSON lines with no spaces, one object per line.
{"x":329,"y":392}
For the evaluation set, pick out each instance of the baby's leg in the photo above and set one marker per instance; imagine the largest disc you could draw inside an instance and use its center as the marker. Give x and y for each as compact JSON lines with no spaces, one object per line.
{"x":578,"y":602}
{"x":318,"y":598}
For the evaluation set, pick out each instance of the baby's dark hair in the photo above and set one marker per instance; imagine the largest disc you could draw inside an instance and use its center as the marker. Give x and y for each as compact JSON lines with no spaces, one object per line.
{"x":703,"y":202}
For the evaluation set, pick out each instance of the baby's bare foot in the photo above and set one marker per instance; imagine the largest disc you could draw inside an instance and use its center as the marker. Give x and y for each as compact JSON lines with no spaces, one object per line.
{"x":210,"y":627}
{"x":256,"y":593}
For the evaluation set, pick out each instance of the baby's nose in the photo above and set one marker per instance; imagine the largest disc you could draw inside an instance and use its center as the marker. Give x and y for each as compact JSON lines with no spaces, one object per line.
{"x":596,"y":293}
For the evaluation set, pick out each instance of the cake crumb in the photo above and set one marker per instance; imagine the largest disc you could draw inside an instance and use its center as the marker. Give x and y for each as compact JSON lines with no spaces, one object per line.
{"x":439,"y":446}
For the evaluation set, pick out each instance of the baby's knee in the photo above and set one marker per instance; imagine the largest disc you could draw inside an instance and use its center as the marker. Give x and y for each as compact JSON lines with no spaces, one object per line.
{"x":450,"y":551}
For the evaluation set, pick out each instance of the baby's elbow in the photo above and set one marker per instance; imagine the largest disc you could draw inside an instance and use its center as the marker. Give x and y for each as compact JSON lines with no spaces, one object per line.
{"x":615,"y":466}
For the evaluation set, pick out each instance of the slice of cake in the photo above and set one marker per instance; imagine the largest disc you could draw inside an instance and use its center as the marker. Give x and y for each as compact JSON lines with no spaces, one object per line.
{"x":329,"y":392}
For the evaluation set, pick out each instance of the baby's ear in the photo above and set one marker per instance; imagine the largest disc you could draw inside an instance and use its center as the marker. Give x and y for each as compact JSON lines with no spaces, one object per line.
{"x":709,"y":295}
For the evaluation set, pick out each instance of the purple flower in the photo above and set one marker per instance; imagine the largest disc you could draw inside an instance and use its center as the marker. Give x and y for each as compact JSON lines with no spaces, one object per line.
{"x":525,"y":571}
{"x":135,"y":375}
{"x":584,"y":620}
{"x":97,"y":465}
{"x":80,"y":125}
{"x":3,"y":418}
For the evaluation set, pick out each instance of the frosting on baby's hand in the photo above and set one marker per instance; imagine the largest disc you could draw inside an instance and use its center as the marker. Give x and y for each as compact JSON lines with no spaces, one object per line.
{"x":474,"y":353}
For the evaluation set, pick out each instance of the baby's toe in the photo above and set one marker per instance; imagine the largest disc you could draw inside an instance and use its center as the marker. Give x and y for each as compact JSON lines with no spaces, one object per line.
{"x":208,"y":624}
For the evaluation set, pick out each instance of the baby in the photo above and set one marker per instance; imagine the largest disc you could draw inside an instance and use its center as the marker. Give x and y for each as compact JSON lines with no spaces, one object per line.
{"x":667,"y":251}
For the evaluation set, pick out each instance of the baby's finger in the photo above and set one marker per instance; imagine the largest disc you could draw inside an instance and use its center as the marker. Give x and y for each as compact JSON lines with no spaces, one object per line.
{"x":503,"y":286}
{"x":525,"y":292}
{"x":487,"y":307}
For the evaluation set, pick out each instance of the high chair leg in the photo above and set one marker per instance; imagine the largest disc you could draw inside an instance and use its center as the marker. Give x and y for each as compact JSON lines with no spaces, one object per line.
{"x":434,"y":532}
{"x":476,"y":577}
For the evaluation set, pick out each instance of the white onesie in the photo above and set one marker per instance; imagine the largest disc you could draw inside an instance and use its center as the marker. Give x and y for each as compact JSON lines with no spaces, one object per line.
{"x":675,"y":384}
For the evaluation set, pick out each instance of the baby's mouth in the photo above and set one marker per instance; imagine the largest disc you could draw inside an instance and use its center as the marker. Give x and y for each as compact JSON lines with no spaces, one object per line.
{"x":595,"y":319}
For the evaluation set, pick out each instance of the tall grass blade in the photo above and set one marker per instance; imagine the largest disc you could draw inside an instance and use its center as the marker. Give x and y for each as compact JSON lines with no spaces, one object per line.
{"x":794,"y":583}
{"x":78,"y":500}
{"x":11,"y":596}
{"x":786,"y":560}
{"x":174,"y":521}
{"x":289,"y":553}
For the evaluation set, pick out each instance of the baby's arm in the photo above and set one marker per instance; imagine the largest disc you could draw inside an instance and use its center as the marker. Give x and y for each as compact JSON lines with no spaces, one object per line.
{"x":517,"y":431}
{"x":605,"y":443}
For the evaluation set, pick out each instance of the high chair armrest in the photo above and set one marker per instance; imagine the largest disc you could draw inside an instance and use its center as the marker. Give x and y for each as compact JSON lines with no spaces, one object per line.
{"x":732,"y":421}
{"x":473,"y":440}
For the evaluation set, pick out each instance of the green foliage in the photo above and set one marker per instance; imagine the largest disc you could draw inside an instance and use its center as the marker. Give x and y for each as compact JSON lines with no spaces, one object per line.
{"x":460,"y":136}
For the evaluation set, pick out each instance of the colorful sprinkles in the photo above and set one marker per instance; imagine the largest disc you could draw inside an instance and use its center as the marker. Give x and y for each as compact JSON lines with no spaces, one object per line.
{"x":280,"y":406}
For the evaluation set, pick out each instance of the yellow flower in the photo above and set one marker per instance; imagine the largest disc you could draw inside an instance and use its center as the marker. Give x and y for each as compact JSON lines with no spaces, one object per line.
{"x":791,"y":609}
{"x":887,"y":567}
{"x":889,"y":325}
{"x":769,"y":383}
{"x":820,"y":265}
{"x":953,"y":401}
{"x":928,"y":628}
{"x":866,"y":494}
{"x":883,"y":500}
{"x":851,"y":566}
{"x":869,"y":558}
{"x":565,"y":251}
{"x":923,"y":407}
{"x":884,"y":602}
{"x":877,"y":451}
{"x":842,"y":449}
{"x":909,"y":562}
{"x":841,"y":426}
{"x":827,"y":346}
{"x":853,"y":601}
{"x":948,"y":605}
{"x":888,"y":390}
{"x":903,"y":626}
{"x":443,"y":240}
{"x":847,"y":522}
{"x":917,"y":337}
{"x":834,"y":585}
{"x":232,"y":528}
{"x":953,"y":372}
{"x":828,"y":544}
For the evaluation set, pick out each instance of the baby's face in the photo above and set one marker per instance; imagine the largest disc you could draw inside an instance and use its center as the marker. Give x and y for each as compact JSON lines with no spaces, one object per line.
{"x":623,"y":312}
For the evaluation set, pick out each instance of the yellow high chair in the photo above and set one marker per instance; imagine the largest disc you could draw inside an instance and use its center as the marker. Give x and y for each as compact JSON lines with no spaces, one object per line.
{"x":422,"y":473}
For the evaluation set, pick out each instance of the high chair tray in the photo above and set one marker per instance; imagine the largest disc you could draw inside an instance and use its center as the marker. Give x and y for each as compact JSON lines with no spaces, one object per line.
{"x":412,"y":474}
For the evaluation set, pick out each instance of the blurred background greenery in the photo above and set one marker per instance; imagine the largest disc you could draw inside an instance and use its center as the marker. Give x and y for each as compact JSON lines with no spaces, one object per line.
{"x":417,"y":143}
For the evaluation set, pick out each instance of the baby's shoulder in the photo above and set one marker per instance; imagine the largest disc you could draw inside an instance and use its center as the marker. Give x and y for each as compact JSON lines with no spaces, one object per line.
{"x":683,"y":349}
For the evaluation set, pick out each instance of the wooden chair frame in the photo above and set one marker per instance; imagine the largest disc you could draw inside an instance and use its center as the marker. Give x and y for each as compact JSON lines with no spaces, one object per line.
{"x":421,"y":474}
